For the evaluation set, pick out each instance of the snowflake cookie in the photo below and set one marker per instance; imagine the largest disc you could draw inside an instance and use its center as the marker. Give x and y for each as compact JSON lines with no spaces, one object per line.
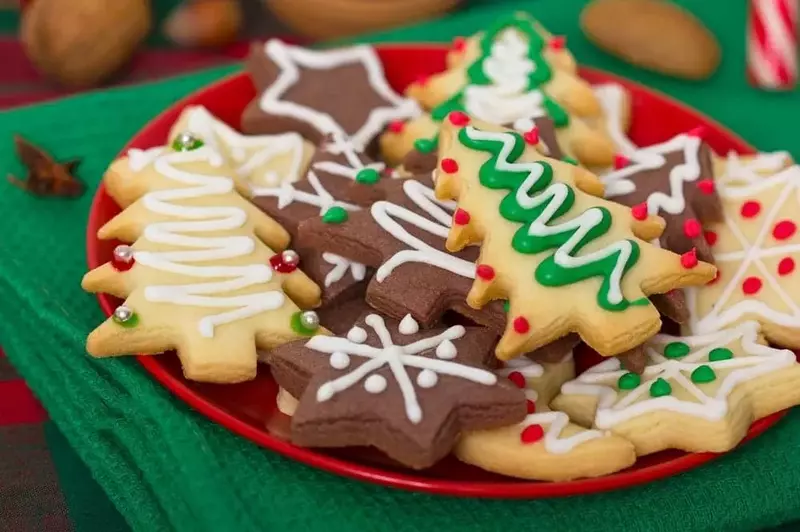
{"x":388,"y":384}
{"x":547,"y":445}
{"x":697,"y":393}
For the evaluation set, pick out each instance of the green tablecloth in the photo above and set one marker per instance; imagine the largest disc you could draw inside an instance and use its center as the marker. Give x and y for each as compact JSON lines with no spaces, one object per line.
{"x":167,"y":468}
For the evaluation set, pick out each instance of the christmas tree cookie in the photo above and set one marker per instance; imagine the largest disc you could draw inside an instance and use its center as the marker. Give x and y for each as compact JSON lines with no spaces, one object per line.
{"x":510,"y":82}
{"x":200,"y":275}
{"x":259,"y":160}
{"x":566,"y":260}
{"x":697,"y":393}
{"x":756,"y":249}
{"x":546,"y":445}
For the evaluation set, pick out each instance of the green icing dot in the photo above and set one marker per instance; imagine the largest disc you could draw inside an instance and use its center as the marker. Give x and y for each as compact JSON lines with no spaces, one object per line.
{"x":335,"y":215}
{"x":641,"y":302}
{"x":703,"y":374}
{"x":507,"y":305}
{"x":660,"y":388}
{"x":629,"y":381}
{"x":368,"y":176}
{"x":676,"y":350}
{"x":181,"y":144}
{"x":131,"y":322}
{"x":297,"y":325}
{"x":424,"y":145}
{"x":720,"y":353}
{"x":570,"y":160}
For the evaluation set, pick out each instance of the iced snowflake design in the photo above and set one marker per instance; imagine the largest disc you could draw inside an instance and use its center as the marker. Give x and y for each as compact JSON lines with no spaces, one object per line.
{"x":751,"y":171}
{"x":340,"y":268}
{"x":692,"y":375}
{"x":397,"y":358}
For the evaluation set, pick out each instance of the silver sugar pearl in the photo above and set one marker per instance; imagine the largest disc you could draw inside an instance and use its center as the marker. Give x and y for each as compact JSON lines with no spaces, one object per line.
{"x":309,"y":319}
{"x":290,"y":257}
{"x":122,"y":313}
{"x":186,"y":139}
{"x":123,"y":253}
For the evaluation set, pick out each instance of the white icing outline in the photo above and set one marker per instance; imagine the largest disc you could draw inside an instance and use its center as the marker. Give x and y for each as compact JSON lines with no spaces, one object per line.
{"x":747,"y":172}
{"x":341,"y":266}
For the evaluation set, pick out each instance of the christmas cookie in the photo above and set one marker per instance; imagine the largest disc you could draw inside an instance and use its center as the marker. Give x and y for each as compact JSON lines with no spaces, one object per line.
{"x":510,"y":82}
{"x":546,"y":445}
{"x":341,"y":92}
{"x":387,"y":384}
{"x":673,"y":180}
{"x":747,"y":169}
{"x":566,"y":260}
{"x":697,"y":393}
{"x":197,"y":276}
{"x":756,"y":249}
{"x":259,"y":160}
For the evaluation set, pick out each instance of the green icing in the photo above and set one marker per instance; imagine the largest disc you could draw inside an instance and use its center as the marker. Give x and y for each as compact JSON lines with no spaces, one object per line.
{"x":720,"y":353}
{"x":545,"y":201}
{"x":507,"y":305}
{"x":179,"y":145}
{"x":703,"y":374}
{"x":426,"y":145}
{"x":368,"y":176}
{"x":629,"y":381}
{"x":676,"y":350}
{"x":297,"y":325}
{"x":335,"y":215}
{"x":131,"y":322}
{"x":570,"y":160}
{"x":660,"y":388}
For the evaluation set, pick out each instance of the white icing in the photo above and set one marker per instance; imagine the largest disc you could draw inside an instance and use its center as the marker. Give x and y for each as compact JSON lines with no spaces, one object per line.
{"x":752,"y":170}
{"x":752,"y":254}
{"x":263,"y":148}
{"x":446,"y":350}
{"x":408,"y":325}
{"x":357,"y":335}
{"x":289,"y":58}
{"x":397,"y":358}
{"x":618,"y":184}
{"x":615,"y":406}
{"x":612,"y":99}
{"x":543,"y":226}
{"x":193,"y":219}
{"x":375,"y":384}
{"x":341,"y":266}
{"x":339,"y":360}
{"x":427,"y":379}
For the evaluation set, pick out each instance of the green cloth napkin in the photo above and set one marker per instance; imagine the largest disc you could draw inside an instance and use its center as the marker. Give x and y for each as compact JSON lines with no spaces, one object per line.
{"x":167,"y":468}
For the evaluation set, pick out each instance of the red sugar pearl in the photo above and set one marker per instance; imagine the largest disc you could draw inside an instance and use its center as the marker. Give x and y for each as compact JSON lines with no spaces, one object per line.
{"x":620,"y":161}
{"x":449,"y":166}
{"x":397,"y":126}
{"x":786,"y":266}
{"x":784,"y":229}
{"x":692,"y":228}
{"x":457,"y":118}
{"x":558,"y":42}
{"x":521,"y":325}
{"x":750,"y":209}
{"x":459,"y":43}
{"x":531,"y":406}
{"x":532,"y":136}
{"x":517,"y":378}
{"x":532,"y":434}
{"x":751,"y":286}
{"x":689,"y":259}
{"x":639,"y":211}
{"x":485,"y":272}
{"x":711,"y":237}
{"x":461,"y":217}
{"x":706,"y":186}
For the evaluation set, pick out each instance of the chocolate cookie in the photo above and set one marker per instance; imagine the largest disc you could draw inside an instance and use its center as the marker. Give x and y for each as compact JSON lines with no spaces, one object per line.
{"x":386,"y":384}
{"x":675,"y":181}
{"x":316,"y":92}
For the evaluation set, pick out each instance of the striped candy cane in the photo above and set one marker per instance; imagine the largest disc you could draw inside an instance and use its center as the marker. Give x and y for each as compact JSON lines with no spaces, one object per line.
{"x":772,"y":44}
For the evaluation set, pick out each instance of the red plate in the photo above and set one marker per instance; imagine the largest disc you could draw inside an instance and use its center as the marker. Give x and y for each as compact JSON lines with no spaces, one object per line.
{"x":249,"y":409}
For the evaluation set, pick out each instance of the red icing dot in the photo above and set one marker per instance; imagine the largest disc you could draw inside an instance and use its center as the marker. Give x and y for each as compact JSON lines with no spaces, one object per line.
{"x":532,"y":434}
{"x":689,"y":259}
{"x":280,"y":265}
{"x":459,"y":43}
{"x":532,"y":136}
{"x":692,"y":228}
{"x":698,"y":132}
{"x":460,"y":217}
{"x":485,"y":272}
{"x":620,"y":161}
{"x":784,"y":229}
{"x":558,"y":42}
{"x":706,"y":186}
{"x":397,"y":126}
{"x":122,"y":265}
{"x":457,"y":118}
{"x":449,"y":166}
{"x":786,"y":266}
{"x":750,"y":209}
{"x":711,"y":237}
{"x":521,"y":325}
{"x":531,"y":406}
{"x":639,"y":212}
{"x":751,"y":285}
{"x":517,"y":378}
